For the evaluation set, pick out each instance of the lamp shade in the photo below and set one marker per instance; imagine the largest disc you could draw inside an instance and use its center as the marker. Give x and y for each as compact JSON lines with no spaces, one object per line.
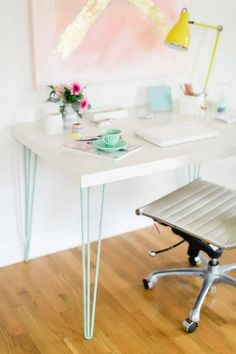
{"x":179,"y":35}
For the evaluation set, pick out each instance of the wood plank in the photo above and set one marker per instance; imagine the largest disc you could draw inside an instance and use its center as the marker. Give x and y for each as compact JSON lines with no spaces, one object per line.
{"x":41,"y":303}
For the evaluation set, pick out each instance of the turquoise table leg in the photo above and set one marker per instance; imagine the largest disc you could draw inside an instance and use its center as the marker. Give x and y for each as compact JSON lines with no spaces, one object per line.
{"x":193,"y":172}
{"x":30,"y":168}
{"x":89,"y":308}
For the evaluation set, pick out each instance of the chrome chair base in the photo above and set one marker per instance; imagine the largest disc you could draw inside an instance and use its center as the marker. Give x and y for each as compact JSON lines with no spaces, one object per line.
{"x":212,"y":274}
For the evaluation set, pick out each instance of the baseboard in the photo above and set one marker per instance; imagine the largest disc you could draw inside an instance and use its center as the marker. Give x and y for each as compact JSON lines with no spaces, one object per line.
{"x":41,"y":245}
{"x":45,"y":244}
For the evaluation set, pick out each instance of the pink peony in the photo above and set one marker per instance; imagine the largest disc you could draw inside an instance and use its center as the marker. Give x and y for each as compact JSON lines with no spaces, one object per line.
{"x":75,"y":88}
{"x":84,"y":103}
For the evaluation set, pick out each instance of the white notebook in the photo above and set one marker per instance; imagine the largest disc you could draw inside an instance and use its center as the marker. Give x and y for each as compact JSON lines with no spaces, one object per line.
{"x":176,"y":133}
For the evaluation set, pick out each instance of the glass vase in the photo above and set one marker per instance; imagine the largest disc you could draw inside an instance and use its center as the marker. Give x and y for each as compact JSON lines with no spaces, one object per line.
{"x":220,"y":104}
{"x":70,"y":116}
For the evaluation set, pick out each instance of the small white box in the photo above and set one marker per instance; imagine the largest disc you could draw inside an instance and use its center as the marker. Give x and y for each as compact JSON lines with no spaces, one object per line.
{"x":110,"y":114}
{"x":191,"y":105}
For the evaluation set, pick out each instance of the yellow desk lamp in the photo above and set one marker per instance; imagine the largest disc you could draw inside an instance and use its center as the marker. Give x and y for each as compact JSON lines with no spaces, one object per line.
{"x":179,"y":37}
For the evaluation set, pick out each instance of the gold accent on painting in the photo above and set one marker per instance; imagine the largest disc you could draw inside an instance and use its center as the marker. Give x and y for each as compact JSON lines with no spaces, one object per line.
{"x":153,"y":12}
{"x":74,"y":33}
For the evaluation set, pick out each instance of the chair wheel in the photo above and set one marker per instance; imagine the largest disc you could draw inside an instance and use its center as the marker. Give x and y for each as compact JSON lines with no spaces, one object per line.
{"x":189,"y":325}
{"x":148,"y":284}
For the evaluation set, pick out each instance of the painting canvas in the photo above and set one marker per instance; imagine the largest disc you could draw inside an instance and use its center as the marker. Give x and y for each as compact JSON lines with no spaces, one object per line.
{"x":102,"y":40}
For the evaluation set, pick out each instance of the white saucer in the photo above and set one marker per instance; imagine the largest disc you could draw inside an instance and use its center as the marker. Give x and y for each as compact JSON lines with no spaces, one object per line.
{"x":100,"y":145}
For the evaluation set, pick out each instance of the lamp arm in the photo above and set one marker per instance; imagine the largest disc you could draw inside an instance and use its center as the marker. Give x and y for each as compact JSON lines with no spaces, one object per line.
{"x":218,"y":29}
{"x":211,"y":62}
{"x":199,"y":24}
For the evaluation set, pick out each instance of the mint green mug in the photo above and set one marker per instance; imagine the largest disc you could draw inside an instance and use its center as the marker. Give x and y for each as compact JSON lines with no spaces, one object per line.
{"x":111,"y":136}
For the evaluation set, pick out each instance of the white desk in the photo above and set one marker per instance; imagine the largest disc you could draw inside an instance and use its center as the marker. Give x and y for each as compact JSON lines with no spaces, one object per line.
{"x":89,"y":171}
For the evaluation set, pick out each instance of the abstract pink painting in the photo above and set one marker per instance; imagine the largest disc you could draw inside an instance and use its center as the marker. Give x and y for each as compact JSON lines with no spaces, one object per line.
{"x":102,"y":40}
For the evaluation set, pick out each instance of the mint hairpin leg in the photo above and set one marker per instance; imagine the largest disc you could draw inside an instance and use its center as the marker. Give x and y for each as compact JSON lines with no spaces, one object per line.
{"x":198,"y":170}
{"x":30,"y":168}
{"x":193,"y":172}
{"x":89,"y":308}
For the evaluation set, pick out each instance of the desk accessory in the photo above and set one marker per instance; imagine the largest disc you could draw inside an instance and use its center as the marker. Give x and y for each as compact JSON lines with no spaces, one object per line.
{"x":53,"y":124}
{"x":75,"y":131}
{"x":110,"y":137}
{"x":103,"y":123}
{"x":191,"y":104}
{"x":72,"y":101}
{"x":160,"y":99}
{"x":145,"y":114}
{"x":179,"y":37}
{"x":90,"y":138}
{"x":220,"y":104}
{"x":176,"y":133}
{"x":109,"y":114}
{"x":227,"y":117}
{"x":89,"y":148}
{"x":121,"y":145}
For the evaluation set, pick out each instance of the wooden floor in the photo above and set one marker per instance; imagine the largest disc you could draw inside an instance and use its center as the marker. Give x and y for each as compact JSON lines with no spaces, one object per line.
{"x":41,"y":309}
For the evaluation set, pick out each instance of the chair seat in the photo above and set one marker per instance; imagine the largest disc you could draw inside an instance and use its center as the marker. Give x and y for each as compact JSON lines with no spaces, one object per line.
{"x":201,"y":209}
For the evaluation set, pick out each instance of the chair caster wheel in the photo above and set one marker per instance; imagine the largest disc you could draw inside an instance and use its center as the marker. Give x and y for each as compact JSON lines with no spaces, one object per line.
{"x":189,"y":325}
{"x":148,"y":284}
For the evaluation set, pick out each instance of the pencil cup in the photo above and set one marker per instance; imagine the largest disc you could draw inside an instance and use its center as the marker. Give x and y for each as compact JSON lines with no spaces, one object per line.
{"x":53,"y":124}
{"x":191,"y":105}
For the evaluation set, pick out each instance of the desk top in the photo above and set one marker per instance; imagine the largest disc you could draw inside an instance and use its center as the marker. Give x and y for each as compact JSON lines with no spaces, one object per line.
{"x":90,"y":171}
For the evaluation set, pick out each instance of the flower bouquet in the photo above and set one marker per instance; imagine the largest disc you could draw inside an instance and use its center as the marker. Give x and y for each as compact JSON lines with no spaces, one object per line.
{"x":71,"y":96}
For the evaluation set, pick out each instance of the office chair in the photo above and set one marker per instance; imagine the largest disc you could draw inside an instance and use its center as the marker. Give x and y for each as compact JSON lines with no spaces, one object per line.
{"x":204,"y":215}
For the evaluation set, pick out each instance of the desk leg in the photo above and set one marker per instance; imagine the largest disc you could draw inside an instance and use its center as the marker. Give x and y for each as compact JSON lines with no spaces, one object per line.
{"x":30,"y":168}
{"x":193,"y":172}
{"x":85,"y":231}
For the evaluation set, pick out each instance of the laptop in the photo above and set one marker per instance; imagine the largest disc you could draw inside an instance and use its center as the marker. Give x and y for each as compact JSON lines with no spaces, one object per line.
{"x":176,"y":133}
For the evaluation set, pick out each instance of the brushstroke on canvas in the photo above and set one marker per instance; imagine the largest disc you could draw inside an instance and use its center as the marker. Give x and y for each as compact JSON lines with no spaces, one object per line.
{"x":76,"y":32}
{"x":102,"y":40}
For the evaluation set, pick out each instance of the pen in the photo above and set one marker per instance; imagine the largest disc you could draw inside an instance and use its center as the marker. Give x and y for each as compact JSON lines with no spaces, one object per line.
{"x":90,"y":138}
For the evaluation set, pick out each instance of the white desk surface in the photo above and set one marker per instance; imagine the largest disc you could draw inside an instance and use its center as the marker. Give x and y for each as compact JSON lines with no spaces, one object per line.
{"x":90,"y":171}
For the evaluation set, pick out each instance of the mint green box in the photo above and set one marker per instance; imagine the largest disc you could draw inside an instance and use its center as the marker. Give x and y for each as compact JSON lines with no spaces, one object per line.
{"x":160,"y":99}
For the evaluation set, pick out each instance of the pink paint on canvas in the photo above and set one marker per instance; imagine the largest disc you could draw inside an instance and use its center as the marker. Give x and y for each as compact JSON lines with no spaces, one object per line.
{"x":123,"y":43}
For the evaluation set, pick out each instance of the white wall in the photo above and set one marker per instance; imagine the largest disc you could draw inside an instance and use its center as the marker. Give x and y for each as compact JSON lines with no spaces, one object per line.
{"x":56,"y":218}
